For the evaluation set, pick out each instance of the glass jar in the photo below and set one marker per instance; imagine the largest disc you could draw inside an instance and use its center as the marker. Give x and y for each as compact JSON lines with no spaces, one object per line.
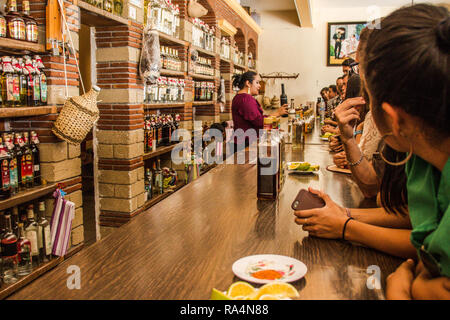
{"x":3,"y":33}
{"x":16,"y":25}
{"x":118,"y":7}
{"x":108,"y":5}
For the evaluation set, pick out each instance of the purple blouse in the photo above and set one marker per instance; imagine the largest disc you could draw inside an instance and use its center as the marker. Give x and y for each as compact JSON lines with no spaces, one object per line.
{"x":247,"y":113}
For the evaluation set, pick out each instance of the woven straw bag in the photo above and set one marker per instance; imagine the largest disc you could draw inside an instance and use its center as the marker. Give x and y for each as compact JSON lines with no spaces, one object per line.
{"x":77,"y":117}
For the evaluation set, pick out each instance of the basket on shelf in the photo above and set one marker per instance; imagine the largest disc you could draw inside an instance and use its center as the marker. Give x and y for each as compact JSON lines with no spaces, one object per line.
{"x":77,"y":117}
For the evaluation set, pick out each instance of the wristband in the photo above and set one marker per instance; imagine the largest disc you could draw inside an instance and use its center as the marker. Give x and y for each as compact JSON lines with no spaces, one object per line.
{"x":345,"y":226}
{"x":357,"y":132}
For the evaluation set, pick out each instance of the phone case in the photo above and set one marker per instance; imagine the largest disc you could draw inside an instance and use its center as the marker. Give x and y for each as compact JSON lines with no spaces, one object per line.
{"x":306,"y":200}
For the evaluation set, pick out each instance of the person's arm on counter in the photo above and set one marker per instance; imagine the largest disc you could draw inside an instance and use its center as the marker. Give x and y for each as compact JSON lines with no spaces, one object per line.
{"x":362,"y":170}
{"x":328,"y":222}
{"x":379,"y":217}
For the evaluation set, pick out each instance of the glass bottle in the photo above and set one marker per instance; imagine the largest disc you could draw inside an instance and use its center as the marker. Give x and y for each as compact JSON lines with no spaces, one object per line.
{"x":108,"y":5}
{"x":21,"y":161}
{"x":16,"y":25}
{"x":36,"y":159}
{"x":31,"y":232}
{"x":25,"y":265}
{"x":9,"y":253}
{"x":28,"y":72}
{"x":5,"y":159}
{"x":28,"y":160}
{"x":3,"y":27}
{"x":36,"y":85}
{"x":15,"y":221}
{"x":44,"y":236}
{"x":22,"y":84}
{"x":42,"y":80}
{"x":31,"y":28}
{"x":118,"y":7}
{"x":16,"y":81}
{"x":7,"y":82}
{"x":148,"y":184}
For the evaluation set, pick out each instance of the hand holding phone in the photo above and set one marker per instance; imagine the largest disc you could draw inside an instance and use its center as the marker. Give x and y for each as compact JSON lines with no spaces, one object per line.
{"x":306,"y":200}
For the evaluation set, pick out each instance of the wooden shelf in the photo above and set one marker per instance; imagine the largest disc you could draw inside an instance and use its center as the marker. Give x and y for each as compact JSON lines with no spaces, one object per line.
{"x":203,"y":103}
{"x":167,"y":72}
{"x":8,"y":289}
{"x":155,"y":106}
{"x":159,"y":151}
{"x":26,"y":111}
{"x":166,"y":38}
{"x":204,"y":51}
{"x":160,"y":197}
{"x":254,"y":70}
{"x":226,"y":60}
{"x":18,"y":46}
{"x":203,"y":77}
{"x":27,"y":195}
{"x":239,"y":66}
{"x":96,"y":17}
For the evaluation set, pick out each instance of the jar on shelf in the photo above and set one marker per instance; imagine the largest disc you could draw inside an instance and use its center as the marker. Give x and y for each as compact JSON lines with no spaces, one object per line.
{"x":108,"y":5}
{"x":118,"y":7}
{"x":98,"y":4}
{"x":3,"y":33}
{"x":31,"y":26}
{"x":15,"y":24}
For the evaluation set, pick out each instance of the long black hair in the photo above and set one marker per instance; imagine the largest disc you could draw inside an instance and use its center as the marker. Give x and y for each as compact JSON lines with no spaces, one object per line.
{"x":239,"y":80}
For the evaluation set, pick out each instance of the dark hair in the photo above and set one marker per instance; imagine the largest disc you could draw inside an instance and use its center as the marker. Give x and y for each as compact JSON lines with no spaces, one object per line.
{"x":412,"y":47}
{"x":393,"y":191}
{"x":323,"y":89}
{"x":333,"y":88}
{"x":240,"y":79}
{"x":342,"y":78}
{"x":347,"y":62}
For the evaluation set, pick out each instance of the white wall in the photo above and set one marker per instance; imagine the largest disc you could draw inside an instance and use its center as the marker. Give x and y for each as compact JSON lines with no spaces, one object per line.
{"x":285,"y":47}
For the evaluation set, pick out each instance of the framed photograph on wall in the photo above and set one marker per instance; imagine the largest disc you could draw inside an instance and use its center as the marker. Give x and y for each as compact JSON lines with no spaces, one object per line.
{"x":343,"y":39}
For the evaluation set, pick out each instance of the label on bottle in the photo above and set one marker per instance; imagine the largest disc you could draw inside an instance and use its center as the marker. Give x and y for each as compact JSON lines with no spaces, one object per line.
{"x":12,"y":5}
{"x":32,"y":236}
{"x":47,"y":240}
{"x":36,"y":168}
{"x":13,"y":175}
{"x":5,"y":175}
{"x":16,"y":88}
{"x":43,"y":88}
{"x":9,"y":88}
{"x":9,"y":247}
{"x":2,"y":27}
{"x":39,"y":237}
{"x":29,"y":167}
{"x":37,"y":89}
{"x":23,"y":169}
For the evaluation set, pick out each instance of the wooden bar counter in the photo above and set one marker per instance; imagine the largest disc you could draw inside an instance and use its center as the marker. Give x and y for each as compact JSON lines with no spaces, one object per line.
{"x":185,"y":245}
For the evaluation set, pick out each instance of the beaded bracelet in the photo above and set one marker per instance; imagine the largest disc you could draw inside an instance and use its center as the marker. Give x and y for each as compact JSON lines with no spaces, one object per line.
{"x":353,"y":164}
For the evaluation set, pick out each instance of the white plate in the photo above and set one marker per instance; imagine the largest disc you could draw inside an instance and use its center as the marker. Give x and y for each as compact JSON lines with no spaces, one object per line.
{"x":299,"y":171}
{"x":290,"y":268}
{"x":324,"y":139}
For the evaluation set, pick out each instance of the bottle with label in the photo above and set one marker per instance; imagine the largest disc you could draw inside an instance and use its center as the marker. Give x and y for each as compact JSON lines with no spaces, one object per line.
{"x":15,"y":221}
{"x":118,"y":7}
{"x":16,"y":25}
{"x":3,"y":28}
{"x":108,"y":5}
{"x":9,"y":253}
{"x":16,"y":81}
{"x":21,"y":161}
{"x":159,"y":174}
{"x":31,"y":232}
{"x":44,"y":236}
{"x":25,"y":265}
{"x":36,"y":85}
{"x":28,"y":160}
{"x":28,"y":71}
{"x":13,"y":168}
{"x":36,"y":159}
{"x":7,"y":82}
{"x":42,"y":80}
{"x":5,"y":159}
{"x":148,"y":184}
{"x":31,"y":27}
{"x":283,"y":98}
{"x":22,"y":83}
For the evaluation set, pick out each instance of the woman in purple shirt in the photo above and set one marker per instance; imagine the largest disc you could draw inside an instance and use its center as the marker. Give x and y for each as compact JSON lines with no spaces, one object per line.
{"x":246,"y":111}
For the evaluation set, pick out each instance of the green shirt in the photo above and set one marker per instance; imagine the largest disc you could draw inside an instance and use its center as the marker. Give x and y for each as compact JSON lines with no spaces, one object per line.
{"x":429,"y":210}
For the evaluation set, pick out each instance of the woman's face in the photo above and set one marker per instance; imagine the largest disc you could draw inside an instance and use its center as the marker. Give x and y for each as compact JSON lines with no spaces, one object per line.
{"x":254,"y":85}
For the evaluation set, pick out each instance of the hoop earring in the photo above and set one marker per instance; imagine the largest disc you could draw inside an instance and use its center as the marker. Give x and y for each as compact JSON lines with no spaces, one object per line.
{"x":395,"y":164}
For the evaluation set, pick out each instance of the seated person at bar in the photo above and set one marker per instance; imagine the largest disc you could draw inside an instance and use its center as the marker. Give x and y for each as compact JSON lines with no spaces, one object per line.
{"x":414,"y":120}
{"x":246,"y":111}
{"x":346,"y":66}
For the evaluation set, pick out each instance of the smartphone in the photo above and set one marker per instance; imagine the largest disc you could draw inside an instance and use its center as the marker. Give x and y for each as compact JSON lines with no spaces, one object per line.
{"x":306,"y":200}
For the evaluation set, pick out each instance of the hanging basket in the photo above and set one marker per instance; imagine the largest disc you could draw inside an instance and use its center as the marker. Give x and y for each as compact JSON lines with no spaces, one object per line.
{"x":77,"y":117}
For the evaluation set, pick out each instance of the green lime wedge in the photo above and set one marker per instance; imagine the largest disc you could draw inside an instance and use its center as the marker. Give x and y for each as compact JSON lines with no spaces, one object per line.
{"x":218,"y":295}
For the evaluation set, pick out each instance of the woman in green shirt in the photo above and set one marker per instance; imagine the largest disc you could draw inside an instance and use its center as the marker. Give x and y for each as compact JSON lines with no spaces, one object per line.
{"x":411,"y":109}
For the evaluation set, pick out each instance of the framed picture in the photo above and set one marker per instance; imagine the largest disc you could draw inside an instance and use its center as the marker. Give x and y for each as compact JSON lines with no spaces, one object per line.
{"x":343,"y":39}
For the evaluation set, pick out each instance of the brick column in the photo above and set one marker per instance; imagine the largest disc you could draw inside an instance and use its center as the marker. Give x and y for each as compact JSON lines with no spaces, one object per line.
{"x":120,"y":128}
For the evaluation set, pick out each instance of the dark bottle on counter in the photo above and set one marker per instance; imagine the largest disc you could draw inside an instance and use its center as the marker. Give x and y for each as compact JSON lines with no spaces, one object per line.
{"x":36,"y":159}
{"x":283,"y":99}
{"x":5,"y":159}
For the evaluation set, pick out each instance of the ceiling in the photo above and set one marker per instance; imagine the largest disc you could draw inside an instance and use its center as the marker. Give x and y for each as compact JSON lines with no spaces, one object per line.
{"x":269,"y":5}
